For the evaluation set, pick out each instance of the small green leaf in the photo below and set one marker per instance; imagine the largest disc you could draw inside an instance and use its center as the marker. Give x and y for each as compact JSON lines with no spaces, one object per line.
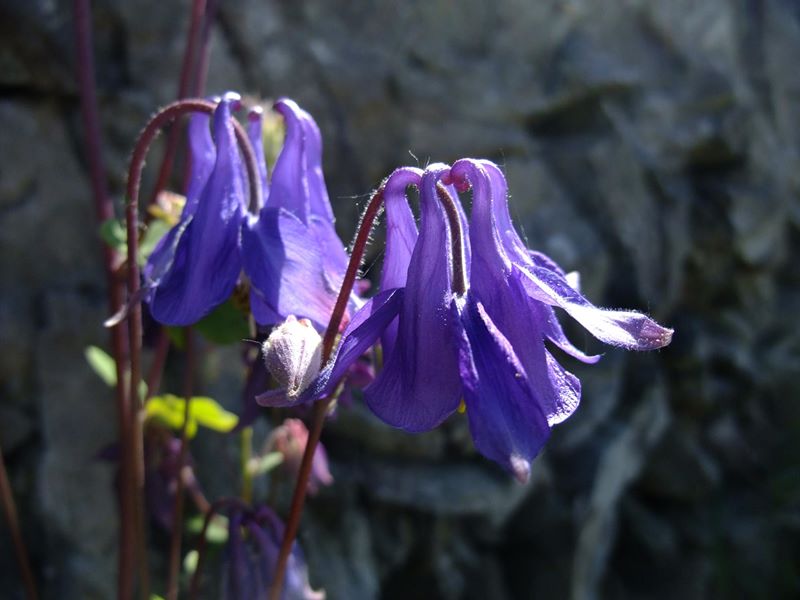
{"x":155,"y":231}
{"x":264,"y":464}
{"x":156,"y":597}
{"x":217,"y":532}
{"x":113,"y":233}
{"x":169,"y":409}
{"x":210,"y":414}
{"x":190,"y":562}
{"x":225,"y":325}
{"x":102,"y":364}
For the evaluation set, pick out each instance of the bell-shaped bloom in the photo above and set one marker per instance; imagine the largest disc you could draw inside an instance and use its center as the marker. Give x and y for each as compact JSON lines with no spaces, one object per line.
{"x":196,"y":265}
{"x":292,"y":255}
{"x":288,"y":247}
{"x":251,"y":554}
{"x":482,"y":340}
{"x":290,"y":439}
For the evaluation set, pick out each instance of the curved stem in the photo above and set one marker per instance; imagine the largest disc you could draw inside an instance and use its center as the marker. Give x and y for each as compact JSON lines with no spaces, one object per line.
{"x":321,"y":406}
{"x":184,"y":81}
{"x":456,"y":239}
{"x":132,"y":433}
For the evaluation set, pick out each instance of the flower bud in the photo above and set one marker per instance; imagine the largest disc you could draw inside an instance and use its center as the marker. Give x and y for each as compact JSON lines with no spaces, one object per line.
{"x":293,"y":355}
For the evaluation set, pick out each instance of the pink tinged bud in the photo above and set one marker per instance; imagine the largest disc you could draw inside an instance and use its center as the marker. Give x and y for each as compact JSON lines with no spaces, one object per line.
{"x":293,"y":355}
{"x":290,"y":439}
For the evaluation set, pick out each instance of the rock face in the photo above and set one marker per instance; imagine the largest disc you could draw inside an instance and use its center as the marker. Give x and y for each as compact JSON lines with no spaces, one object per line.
{"x":651,"y":145}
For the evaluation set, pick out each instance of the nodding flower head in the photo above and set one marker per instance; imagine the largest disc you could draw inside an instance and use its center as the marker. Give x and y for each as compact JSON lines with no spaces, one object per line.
{"x":251,"y":554}
{"x":196,"y":265}
{"x":287,"y":247}
{"x":482,"y":339}
{"x":292,"y":255}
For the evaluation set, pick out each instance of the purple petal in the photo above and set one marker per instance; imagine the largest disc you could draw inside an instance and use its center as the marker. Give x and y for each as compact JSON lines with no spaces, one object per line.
{"x":626,"y":328}
{"x":286,"y":270}
{"x":290,"y":187}
{"x":553,"y":331}
{"x":497,"y":286}
{"x":255,"y":132}
{"x":419,"y":385}
{"x":505,"y":418}
{"x":202,"y":158}
{"x":401,"y":235}
{"x":206,"y":263}
{"x":319,"y":203}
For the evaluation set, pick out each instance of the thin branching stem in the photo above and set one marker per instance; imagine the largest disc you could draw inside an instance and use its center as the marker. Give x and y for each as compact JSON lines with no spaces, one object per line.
{"x":10,"y":508}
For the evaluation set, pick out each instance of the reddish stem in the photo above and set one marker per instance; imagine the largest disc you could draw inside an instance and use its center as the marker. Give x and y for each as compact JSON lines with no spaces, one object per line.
{"x":177,"y":511}
{"x":133,"y":445}
{"x":7,"y":499}
{"x":184,"y":81}
{"x":104,"y":210}
{"x":321,"y":407}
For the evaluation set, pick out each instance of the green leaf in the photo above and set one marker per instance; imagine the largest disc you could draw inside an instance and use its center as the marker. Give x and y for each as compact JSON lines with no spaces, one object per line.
{"x":112,"y":231}
{"x":211,"y":415}
{"x":169,"y":409}
{"x":190,"y":562}
{"x":225,"y":325}
{"x":156,"y":597}
{"x":217,"y":532}
{"x":265,"y":464}
{"x":155,"y":231}
{"x":102,"y":364}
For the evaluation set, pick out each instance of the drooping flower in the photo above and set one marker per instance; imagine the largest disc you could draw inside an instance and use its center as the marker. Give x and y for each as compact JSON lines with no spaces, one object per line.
{"x":482,"y":339}
{"x":196,"y":265}
{"x":251,"y":554}
{"x":292,"y":254}
{"x":288,"y":249}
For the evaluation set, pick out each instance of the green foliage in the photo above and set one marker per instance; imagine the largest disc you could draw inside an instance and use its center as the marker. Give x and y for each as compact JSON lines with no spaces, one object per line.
{"x":225,"y":325}
{"x":113,"y":233}
{"x":265,"y":464}
{"x":217,"y":532}
{"x":155,"y":231}
{"x":102,"y":364}
{"x":170,"y":409}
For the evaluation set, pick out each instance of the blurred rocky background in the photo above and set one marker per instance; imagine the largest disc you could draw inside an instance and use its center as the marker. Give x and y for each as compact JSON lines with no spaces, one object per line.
{"x":651,"y":145}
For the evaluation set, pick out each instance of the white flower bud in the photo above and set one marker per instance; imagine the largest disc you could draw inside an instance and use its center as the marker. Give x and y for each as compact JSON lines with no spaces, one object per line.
{"x":293,"y":355}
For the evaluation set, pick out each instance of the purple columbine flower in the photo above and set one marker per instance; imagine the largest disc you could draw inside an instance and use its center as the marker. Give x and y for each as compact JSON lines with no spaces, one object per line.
{"x":251,"y":554}
{"x":196,"y":265}
{"x":292,"y":254}
{"x":477,"y":330}
{"x":289,"y":249}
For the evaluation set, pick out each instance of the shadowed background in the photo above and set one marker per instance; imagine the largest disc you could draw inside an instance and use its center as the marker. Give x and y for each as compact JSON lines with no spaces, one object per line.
{"x":653,"y":146}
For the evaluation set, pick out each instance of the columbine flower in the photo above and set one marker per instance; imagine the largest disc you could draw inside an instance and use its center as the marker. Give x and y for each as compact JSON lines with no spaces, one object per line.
{"x":290,"y":439}
{"x":480,"y":339}
{"x":196,"y":265}
{"x":251,"y":553}
{"x":291,"y":252}
{"x":289,"y":249}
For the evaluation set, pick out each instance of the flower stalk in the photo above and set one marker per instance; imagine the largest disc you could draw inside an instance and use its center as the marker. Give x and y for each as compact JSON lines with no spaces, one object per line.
{"x":10,"y":508}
